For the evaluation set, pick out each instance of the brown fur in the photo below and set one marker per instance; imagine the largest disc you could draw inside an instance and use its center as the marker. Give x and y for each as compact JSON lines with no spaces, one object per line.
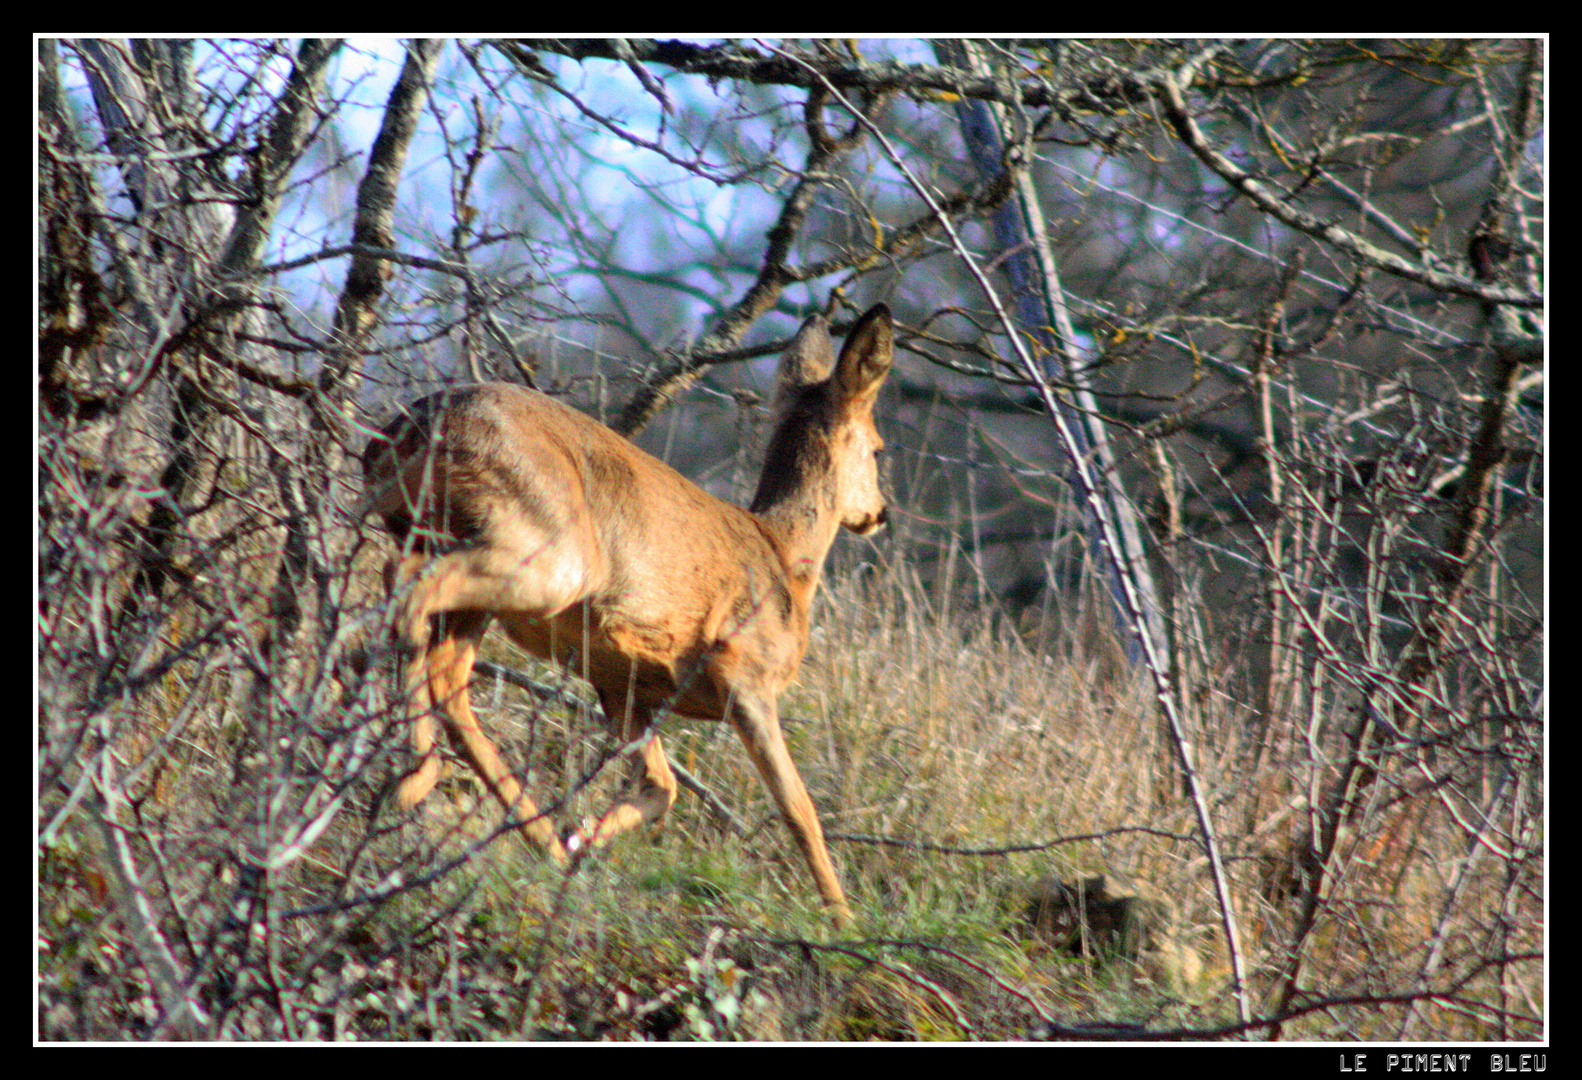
{"x":513,"y":507}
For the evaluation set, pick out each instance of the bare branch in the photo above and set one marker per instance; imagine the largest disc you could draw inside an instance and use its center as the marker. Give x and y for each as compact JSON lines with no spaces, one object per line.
{"x":1172,"y":89}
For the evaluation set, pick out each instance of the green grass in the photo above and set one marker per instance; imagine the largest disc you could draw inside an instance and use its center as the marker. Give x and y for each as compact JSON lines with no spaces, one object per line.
{"x":951,"y":763}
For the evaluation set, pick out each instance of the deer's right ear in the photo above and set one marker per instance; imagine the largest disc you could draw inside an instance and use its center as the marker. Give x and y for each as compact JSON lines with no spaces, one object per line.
{"x":809,"y":357}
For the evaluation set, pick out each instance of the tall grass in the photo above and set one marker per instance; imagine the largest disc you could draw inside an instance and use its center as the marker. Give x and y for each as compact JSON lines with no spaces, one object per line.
{"x":955,"y":767}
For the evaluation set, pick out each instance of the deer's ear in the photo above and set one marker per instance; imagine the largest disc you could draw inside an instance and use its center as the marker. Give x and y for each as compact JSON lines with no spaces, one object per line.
{"x":865,"y":360}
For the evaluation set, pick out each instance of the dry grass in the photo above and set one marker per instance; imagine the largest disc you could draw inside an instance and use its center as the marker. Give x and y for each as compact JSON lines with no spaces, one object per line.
{"x":954,"y":767}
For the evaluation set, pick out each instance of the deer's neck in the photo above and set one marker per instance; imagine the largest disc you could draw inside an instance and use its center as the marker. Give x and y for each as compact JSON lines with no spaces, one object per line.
{"x":801,"y":524}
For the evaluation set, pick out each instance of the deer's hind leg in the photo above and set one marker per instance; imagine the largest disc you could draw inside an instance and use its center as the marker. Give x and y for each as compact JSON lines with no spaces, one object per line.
{"x":438,"y":677}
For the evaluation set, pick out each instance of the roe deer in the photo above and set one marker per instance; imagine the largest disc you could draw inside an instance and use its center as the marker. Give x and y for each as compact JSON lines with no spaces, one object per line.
{"x":511,"y":506}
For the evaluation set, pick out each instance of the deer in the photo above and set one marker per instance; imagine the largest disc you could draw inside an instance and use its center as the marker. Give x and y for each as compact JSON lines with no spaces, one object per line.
{"x":512,"y":507}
